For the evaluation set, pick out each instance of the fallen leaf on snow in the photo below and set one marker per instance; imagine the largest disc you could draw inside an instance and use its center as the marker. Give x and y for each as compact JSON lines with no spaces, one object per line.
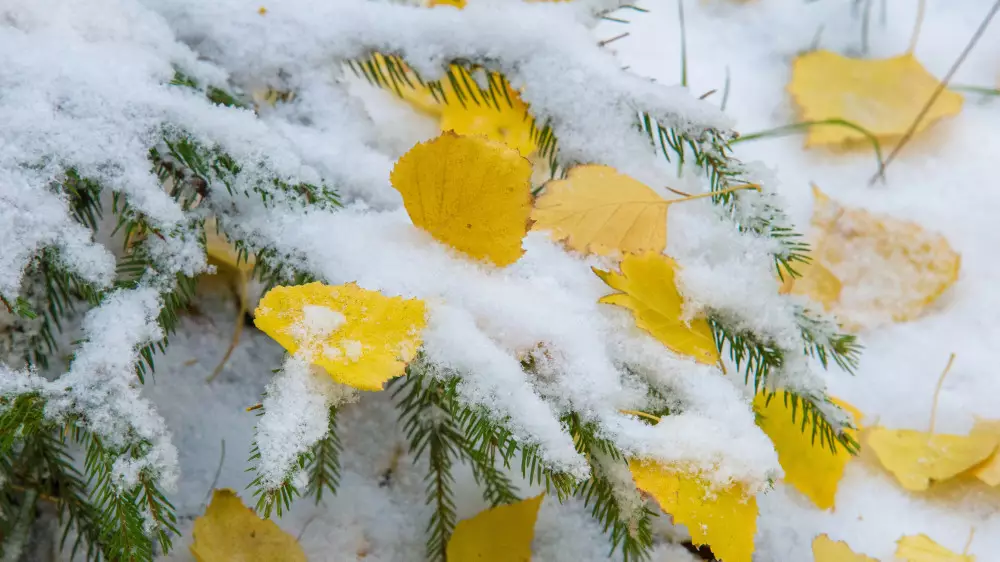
{"x":362,"y":338}
{"x":920,"y":548}
{"x":648,"y":289}
{"x":989,"y":470}
{"x":916,"y":458}
{"x":883,"y":96}
{"x":230,"y":532}
{"x":470,"y":193}
{"x":810,"y":467}
{"x":725,"y":520}
{"x":499,"y":534}
{"x":828,"y":550}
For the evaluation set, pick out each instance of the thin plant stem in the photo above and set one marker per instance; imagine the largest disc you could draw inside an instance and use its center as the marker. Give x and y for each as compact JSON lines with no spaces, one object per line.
{"x":725,"y":91}
{"x":806,"y":125}
{"x":937,"y":92}
{"x":921,"y":9}
{"x":640,"y":414}
{"x":968,"y":541}
{"x":937,"y":391}
{"x":684,"y":58}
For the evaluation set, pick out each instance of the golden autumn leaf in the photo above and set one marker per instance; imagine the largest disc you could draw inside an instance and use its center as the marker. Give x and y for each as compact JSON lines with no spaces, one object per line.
{"x":989,"y":470}
{"x":470,"y":193}
{"x":648,"y":289}
{"x":916,"y":458}
{"x":828,"y":550}
{"x":222,"y":251}
{"x":920,"y":548}
{"x":816,"y":282}
{"x":499,"y":534}
{"x":810,"y":467}
{"x":230,"y":531}
{"x":883,"y":96}
{"x":362,"y":338}
{"x":598,"y":210}
{"x":888,"y":269}
{"x":725,"y":520}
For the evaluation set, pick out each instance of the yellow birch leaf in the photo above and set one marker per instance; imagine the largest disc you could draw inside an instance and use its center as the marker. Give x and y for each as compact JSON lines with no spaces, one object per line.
{"x":223,"y":251}
{"x":649,"y":291}
{"x":725,"y":520}
{"x":508,"y":121}
{"x":920,"y":548}
{"x":816,"y":282}
{"x":989,"y":470}
{"x":809,"y":467}
{"x":828,"y":550}
{"x":597,"y":210}
{"x":229,"y":532}
{"x":470,"y":193}
{"x":883,"y":96}
{"x":916,"y":458}
{"x":499,"y":534}
{"x":888,"y":269}
{"x":362,"y":338}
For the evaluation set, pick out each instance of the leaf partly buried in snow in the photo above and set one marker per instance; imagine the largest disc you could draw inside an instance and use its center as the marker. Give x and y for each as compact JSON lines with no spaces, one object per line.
{"x":231,"y":532}
{"x":827,"y":550}
{"x":648,"y":289}
{"x":470,"y":193}
{"x":362,"y":338}
{"x":223,"y":251}
{"x":725,"y":520}
{"x":920,"y":548}
{"x":598,"y":210}
{"x":816,"y":282}
{"x":887,"y":269}
{"x":883,"y":96}
{"x":989,"y":470}
{"x":809,"y":466}
{"x":916,"y":458}
{"x":499,"y":534}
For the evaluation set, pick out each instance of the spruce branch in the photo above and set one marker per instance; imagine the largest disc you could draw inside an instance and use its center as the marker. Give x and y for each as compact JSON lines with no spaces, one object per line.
{"x":323,"y":467}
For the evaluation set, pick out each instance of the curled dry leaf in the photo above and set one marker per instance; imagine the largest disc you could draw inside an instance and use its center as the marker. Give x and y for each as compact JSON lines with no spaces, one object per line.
{"x":362,"y":338}
{"x":648,"y":289}
{"x":230,"y":531}
{"x":598,"y":210}
{"x":828,"y":550}
{"x":809,"y":467}
{"x":883,"y":96}
{"x":725,"y":520}
{"x":920,"y":548}
{"x":470,"y":193}
{"x":499,"y":534}
{"x":886,"y":269}
{"x":916,"y":458}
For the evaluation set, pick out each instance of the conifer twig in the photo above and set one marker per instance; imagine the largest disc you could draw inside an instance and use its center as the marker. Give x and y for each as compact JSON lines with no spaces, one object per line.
{"x":937,"y":91}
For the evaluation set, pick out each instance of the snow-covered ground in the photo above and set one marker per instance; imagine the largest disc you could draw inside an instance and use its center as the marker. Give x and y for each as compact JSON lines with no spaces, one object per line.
{"x":942,"y":180}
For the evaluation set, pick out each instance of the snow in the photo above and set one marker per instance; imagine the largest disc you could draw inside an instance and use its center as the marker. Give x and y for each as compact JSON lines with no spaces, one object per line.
{"x":87,"y":83}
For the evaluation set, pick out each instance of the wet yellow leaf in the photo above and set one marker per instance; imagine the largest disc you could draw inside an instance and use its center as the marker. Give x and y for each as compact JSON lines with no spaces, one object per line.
{"x":810,"y":467}
{"x":500,"y":534}
{"x":223,"y":251}
{"x":597,"y":210}
{"x":989,"y":470}
{"x":920,"y":548}
{"x":648,"y":289}
{"x":470,"y":193}
{"x":883,"y":96}
{"x":230,"y":532}
{"x":827,"y":550}
{"x":916,"y":458}
{"x":888,"y":269}
{"x":725,"y":520}
{"x":362,"y":338}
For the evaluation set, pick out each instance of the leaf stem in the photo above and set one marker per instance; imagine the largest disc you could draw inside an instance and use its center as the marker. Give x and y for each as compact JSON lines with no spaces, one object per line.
{"x":937,"y":391}
{"x":640,"y":414}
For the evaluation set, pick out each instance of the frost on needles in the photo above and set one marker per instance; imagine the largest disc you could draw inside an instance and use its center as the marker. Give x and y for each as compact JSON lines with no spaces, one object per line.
{"x":128,"y":124}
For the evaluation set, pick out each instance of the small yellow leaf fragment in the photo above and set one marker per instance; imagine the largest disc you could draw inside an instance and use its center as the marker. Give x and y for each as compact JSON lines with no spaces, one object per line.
{"x":222,"y":251}
{"x":816,"y":282}
{"x":810,"y":467}
{"x":598,"y":210}
{"x":916,"y":458}
{"x":920,"y":548}
{"x":888,"y":269}
{"x":262,"y":10}
{"x":989,"y":470}
{"x":506,"y":121}
{"x":725,"y":520}
{"x":362,"y":338}
{"x":230,"y":531}
{"x":456,"y":3}
{"x":883,"y":96}
{"x":828,"y":550}
{"x":648,"y":289}
{"x":500,"y":534}
{"x":470,"y":193}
